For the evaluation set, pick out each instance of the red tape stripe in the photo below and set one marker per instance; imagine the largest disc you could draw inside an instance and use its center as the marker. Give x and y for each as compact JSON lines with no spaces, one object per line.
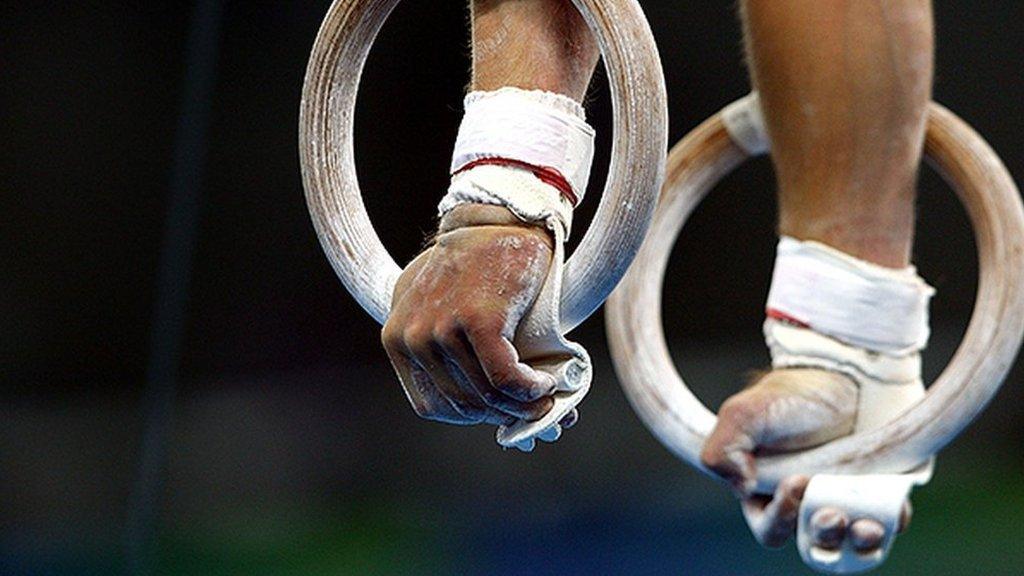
{"x":783,"y":317}
{"x":545,"y":174}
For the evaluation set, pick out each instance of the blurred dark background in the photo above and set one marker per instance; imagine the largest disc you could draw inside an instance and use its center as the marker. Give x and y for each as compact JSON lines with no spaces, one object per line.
{"x":291,"y":449}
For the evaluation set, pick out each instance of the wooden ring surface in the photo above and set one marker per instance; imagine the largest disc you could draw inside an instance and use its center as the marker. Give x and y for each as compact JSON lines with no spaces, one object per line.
{"x":326,"y":123}
{"x":682,"y":422}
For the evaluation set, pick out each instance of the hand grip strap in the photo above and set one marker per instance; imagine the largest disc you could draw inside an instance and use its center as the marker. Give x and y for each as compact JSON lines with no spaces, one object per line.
{"x":879,"y":497}
{"x":888,"y":386}
{"x":541,"y":345}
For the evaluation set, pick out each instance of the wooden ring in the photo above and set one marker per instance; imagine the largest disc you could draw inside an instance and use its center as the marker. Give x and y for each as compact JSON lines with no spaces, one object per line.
{"x":968,"y":383}
{"x":326,"y":123}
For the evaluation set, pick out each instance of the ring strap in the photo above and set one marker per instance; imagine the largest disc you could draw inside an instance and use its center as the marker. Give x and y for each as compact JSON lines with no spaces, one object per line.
{"x":745,"y":124}
{"x":887,"y":386}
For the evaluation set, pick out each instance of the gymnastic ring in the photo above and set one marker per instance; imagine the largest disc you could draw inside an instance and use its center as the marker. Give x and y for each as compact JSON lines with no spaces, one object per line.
{"x":327,"y":117}
{"x":679,"y":420}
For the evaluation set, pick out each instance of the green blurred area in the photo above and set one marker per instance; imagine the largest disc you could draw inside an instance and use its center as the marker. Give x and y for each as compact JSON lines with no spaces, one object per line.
{"x":970,"y":524}
{"x":605,"y":516}
{"x":373,"y":539}
{"x":966,"y":523}
{"x":285,"y":474}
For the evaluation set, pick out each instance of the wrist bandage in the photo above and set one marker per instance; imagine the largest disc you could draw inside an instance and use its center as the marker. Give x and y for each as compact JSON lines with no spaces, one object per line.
{"x":529,"y":151}
{"x":830,"y":311}
{"x":856,"y":302}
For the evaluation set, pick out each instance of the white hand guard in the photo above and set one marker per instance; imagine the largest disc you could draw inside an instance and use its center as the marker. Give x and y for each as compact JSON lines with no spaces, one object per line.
{"x":891,"y":317}
{"x":887,"y":387}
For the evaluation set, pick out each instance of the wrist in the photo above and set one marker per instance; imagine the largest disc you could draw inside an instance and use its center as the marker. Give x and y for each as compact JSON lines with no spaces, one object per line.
{"x":528,"y":151}
{"x":474,"y":215}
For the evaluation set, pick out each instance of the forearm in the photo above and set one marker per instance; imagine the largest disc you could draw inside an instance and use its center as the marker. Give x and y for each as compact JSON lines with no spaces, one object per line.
{"x":532,"y":44}
{"x":529,"y":45}
{"x":845,"y":86}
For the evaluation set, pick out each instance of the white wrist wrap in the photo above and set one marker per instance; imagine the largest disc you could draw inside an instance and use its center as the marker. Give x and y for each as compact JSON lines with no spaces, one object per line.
{"x":853,"y":301}
{"x":541,"y":129}
{"x":517,"y":189}
{"x":835,"y":312}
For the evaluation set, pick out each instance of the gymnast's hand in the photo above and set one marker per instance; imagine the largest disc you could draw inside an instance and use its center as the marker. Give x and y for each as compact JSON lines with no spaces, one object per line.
{"x":453,"y":316}
{"x":788,"y":410}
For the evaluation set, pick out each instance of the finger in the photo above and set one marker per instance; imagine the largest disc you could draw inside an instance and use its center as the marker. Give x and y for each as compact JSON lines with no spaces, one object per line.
{"x":570,"y":419}
{"x":447,"y":379}
{"x":787,"y":409}
{"x":500,"y":362}
{"x":729,"y":449}
{"x":866,"y":535}
{"x":413,"y":342}
{"x":906,"y":514}
{"x":427,"y":402}
{"x":774,"y":521}
{"x":828,"y":527}
{"x":455,"y":346}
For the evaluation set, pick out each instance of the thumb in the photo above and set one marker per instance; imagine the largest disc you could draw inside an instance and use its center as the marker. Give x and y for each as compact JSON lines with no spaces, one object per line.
{"x":785,"y":410}
{"x":729,"y":450}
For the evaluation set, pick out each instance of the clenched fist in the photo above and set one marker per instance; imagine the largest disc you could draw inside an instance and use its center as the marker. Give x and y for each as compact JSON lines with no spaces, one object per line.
{"x":787,"y":410}
{"x":454,"y":314}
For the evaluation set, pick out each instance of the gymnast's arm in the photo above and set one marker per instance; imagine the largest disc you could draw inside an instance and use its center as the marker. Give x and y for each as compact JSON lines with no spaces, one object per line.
{"x":845,"y":87}
{"x":457,"y":305}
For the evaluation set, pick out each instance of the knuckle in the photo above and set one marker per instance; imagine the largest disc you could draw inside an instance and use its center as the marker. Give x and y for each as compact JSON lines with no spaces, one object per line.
{"x":417,"y":335}
{"x":424,"y":408}
{"x":420,"y":410}
{"x":712,"y":453}
{"x":711,"y":458}
{"x":503,"y":379}
{"x":492,"y":397}
{"x":391,"y":336}
{"x":715,"y":458}
{"x":435,"y":411}
{"x":471,"y":318}
{"x":445,"y":333}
